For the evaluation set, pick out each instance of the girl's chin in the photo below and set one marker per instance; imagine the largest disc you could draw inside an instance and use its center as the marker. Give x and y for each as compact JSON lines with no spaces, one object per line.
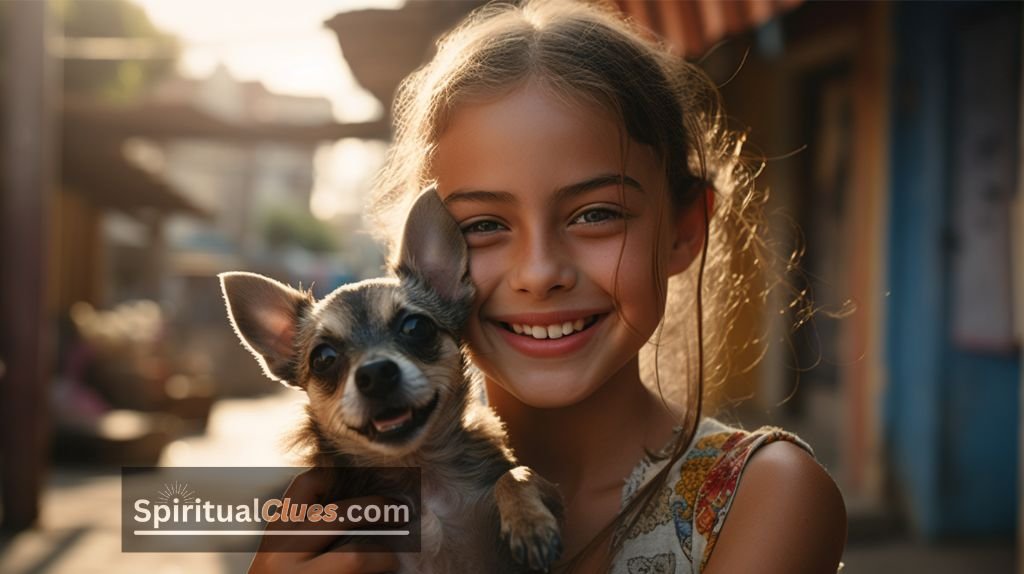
{"x":544,"y":391}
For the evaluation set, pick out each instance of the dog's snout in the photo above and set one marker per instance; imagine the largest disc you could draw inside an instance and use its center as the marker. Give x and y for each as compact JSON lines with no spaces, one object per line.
{"x":377,"y":378}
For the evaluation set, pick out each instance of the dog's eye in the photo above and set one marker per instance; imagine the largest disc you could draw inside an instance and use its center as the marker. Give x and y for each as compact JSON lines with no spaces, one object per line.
{"x":418,"y":328}
{"x":322,"y":359}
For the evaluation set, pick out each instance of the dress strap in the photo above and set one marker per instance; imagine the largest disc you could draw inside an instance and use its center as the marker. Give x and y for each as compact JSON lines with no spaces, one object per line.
{"x":709,"y":479}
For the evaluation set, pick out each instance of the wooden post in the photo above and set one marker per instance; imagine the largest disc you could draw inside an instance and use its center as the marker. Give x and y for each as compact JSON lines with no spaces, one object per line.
{"x":156,"y":255}
{"x":26,"y":167}
{"x":1017,"y":270}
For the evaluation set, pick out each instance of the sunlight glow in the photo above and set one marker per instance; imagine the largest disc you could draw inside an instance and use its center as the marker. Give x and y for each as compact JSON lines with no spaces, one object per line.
{"x":281,"y":43}
{"x":344,"y":171}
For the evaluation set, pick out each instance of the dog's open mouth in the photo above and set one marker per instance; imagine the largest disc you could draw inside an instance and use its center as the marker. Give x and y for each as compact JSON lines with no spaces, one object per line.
{"x":393,"y":424}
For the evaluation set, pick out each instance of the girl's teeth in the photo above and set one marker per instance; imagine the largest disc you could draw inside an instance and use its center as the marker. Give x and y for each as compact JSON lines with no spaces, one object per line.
{"x":550,"y":331}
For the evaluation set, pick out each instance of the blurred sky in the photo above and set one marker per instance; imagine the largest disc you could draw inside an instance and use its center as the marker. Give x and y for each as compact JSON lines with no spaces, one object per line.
{"x":282,"y":43}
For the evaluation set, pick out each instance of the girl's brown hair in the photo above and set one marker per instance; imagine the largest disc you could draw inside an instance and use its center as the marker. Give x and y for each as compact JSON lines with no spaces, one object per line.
{"x":586,"y":53}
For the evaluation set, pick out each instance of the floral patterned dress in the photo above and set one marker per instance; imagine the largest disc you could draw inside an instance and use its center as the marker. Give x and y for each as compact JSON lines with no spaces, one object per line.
{"x":678,"y":534}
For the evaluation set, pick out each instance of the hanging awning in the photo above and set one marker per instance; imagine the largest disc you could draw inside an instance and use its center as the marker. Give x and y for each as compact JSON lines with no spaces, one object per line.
{"x":98,"y":170}
{"x":691,"y":27}
{"x":176,"y":121}
{"x":382,"y":46}
{"x":93,"y":136}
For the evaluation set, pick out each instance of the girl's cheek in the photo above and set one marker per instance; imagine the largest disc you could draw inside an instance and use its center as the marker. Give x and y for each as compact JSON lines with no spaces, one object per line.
{"x":485,"y":273}
{"x":610,"y":261}
{"x":639,"y":274}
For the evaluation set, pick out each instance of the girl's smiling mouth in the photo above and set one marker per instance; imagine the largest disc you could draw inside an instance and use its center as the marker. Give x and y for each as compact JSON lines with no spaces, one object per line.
{"x":552,"y":331}
{"x":548,"y":335}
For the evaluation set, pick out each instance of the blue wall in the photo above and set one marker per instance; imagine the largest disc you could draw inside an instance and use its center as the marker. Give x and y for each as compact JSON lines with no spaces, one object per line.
{"x":950,"y":416}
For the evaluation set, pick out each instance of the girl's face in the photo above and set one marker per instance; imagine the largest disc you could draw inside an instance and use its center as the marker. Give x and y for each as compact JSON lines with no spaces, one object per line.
{"x":555,"y":245}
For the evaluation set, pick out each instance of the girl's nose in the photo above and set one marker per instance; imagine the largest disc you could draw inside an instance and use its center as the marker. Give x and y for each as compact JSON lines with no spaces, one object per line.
{"x":542,"y":267}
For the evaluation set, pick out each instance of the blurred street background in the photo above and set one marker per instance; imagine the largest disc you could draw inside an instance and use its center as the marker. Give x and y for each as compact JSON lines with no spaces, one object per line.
{"x":147,"y":145}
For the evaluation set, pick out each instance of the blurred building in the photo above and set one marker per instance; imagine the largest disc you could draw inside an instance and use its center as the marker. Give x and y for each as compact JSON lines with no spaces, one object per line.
{"x":92,"y":208}
{"x":237,"y":182}
{"x":244,"y":184}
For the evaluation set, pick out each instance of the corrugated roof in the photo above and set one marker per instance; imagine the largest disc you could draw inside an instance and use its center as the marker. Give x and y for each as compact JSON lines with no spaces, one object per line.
{"x":691,"y":27}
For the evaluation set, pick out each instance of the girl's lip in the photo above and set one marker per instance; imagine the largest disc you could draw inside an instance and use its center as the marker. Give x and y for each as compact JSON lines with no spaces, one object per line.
{"x":549,"y":348}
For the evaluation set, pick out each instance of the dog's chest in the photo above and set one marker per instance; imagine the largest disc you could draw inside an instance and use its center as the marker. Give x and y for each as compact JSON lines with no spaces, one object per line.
{"x":459,"y":527}
{"x":449,"y":502}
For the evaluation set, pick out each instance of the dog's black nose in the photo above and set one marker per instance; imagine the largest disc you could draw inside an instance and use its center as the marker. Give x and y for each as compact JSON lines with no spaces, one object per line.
{"x":378,"y":378}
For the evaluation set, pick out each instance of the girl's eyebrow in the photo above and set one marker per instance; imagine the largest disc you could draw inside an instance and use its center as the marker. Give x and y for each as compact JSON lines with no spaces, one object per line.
{"x":561,"y":194}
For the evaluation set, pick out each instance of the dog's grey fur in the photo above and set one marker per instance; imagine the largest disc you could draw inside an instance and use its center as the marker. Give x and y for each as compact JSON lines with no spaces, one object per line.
{"x":481,"y":512}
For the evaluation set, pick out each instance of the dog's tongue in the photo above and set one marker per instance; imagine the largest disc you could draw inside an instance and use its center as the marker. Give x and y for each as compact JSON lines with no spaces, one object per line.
{"x":392,"y":420}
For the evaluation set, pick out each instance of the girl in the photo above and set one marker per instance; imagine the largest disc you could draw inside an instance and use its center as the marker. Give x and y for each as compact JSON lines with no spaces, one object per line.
{"x":600,"y":197}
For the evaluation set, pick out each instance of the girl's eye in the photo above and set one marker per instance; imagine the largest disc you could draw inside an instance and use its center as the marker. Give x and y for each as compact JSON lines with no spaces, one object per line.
{"x":597,"y":215}
{"x":483,"y":226}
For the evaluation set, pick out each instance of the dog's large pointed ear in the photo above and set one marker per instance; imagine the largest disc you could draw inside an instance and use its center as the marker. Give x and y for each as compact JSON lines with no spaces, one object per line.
{"x":434,"y":250}
{"x":265,"y":315}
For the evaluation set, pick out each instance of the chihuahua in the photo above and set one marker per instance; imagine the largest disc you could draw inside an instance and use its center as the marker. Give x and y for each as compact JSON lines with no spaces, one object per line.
{"x":388,"y":385}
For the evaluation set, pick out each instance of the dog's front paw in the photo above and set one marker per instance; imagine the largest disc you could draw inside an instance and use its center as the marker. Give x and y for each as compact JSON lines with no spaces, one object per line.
{"x":534,"y":542}
{"x":530,"y":509}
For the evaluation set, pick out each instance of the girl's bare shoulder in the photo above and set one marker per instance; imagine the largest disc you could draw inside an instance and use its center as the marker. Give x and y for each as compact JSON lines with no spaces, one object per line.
{"x":787,"y":516}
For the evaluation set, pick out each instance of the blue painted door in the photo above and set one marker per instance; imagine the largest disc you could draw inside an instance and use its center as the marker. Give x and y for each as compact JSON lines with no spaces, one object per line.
{"x":951,"y":403}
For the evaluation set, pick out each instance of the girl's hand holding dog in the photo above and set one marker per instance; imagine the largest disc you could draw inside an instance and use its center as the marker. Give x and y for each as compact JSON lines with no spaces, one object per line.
{"x":309,"y":554}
